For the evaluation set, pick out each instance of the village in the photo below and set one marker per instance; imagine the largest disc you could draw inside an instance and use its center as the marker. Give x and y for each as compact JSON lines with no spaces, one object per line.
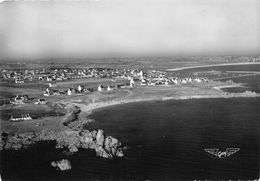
{"x":54,"y":80}
{"x":149,"y":77}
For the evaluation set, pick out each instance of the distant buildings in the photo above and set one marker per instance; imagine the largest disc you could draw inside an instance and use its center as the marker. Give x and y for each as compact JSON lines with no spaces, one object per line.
{"x":144,"y":82}
{"x":56,"y":92}
{"x":54,"y":84}
{"x":19,"y":81}
{"x":69,"y":92}
{"x":80,"y":88}
{"x":22,"y":117}
{"x":19,"y":99}
{"x":100,"y":88}
{"x":132,"y":83}
{"x":47,"y":92}
{"x":41,"y":101}
{"x":109,"y":88}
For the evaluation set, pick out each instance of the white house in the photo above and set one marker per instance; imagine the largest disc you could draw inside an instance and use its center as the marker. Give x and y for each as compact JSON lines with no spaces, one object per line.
{"x":49,"y":79}
{"x":52,"y":84}
{"x":41,"y":101}
{"x":18,"y":99}
{"x":99,"y":88}
{"x":140,"y":73}
{"x":143,"y":82}
{"x":109,"y":88}
{"x":198,"y":79}
{"x":47,"y":92}
{"x":19,"y":81}
{"x":80,"y":88}
{"x":69,"y":92}
{"x":184,"y":81}
{"x":132,"y":83}
{"x":175,"y":81}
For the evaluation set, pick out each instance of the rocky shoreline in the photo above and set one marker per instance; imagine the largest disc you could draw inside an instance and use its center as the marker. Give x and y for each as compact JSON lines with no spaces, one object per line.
{"x":73,"y":137}
{"x":104,"y":146}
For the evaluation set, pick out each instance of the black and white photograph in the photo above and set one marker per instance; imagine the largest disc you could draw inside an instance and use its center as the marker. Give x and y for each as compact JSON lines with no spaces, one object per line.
{"x":125,"y":90}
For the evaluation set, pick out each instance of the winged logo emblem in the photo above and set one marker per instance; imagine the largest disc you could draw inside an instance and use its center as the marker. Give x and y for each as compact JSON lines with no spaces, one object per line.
{"x":221,"y":154}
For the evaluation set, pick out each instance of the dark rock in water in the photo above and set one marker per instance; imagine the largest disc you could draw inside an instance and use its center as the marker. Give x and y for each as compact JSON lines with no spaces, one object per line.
{"x":67,"y":153}
{"x":17,"y":146}
{"x":119,"y":152}
{"x":126,"y":148}
{"x":61,"y":165}
{"x":8,"y":145}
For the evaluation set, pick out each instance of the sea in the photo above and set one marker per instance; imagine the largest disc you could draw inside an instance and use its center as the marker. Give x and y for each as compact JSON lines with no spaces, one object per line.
{"x":163,"y":140}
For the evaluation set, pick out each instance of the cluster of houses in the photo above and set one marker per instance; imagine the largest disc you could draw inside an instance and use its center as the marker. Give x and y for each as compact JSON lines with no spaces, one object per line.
{"x":144,"y":78}
{"x":22,"y":117}
{"x":70,"y":91}
{"x":41,"y":101}
{"x":153,"y":77}
{"x":162,"y":79}
{"x":22,"y":99}
{"x":19,"y":99}
{"x":82,"y":90}
{"x":17,"y":76}
{"x":59,"y":74}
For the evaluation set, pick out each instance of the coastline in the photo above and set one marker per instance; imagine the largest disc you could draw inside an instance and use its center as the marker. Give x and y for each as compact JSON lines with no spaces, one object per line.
{"x":72,"y":134}
{"x":89,"y":109}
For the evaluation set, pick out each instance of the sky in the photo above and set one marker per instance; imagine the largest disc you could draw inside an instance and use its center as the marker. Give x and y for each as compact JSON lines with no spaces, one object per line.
{"x":89,"y":28}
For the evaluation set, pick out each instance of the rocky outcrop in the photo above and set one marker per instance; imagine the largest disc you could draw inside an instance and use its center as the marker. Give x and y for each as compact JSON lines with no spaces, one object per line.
{"x":104,"y":146}
{"x":73,"y":138}
{"x":113,"y":146}
{"x":61,"y":165}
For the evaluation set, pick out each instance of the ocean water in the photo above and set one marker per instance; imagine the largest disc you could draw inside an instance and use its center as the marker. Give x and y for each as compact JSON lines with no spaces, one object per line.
{"x":165,"y":140}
